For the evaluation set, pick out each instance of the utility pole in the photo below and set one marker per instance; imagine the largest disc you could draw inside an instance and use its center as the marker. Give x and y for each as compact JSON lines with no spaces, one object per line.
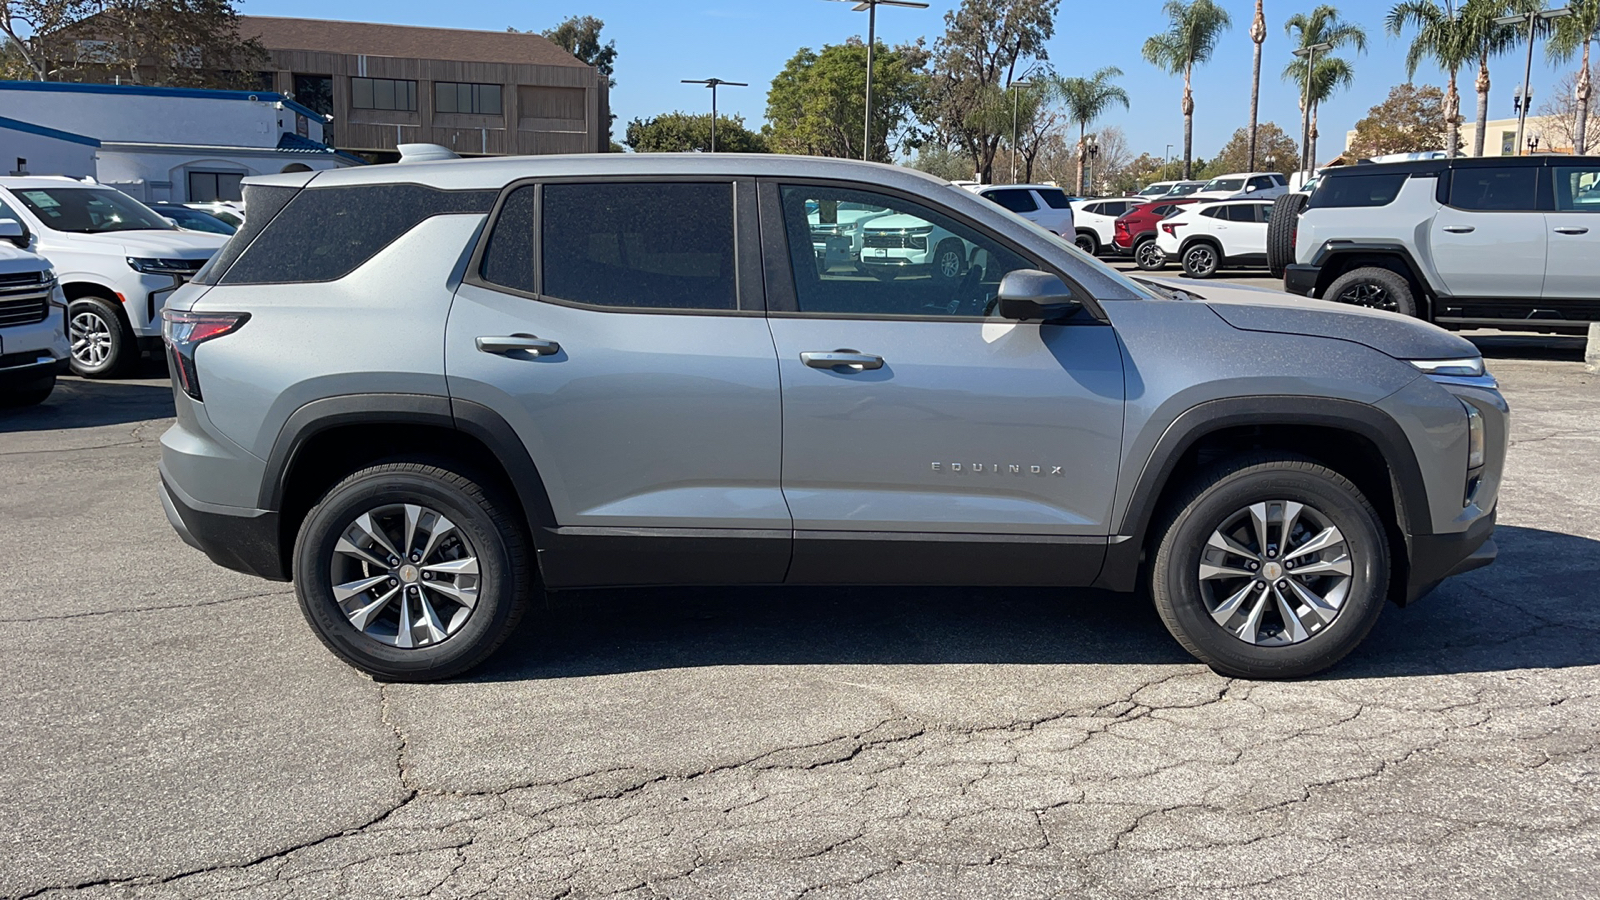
{"x":715,"y":83}
{"x":871,"y":9}
{"x":1526,"y":99}
{"x":1309,"y":54}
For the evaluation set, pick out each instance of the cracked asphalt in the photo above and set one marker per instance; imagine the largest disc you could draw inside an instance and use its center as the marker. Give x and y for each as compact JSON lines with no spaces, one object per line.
{"x":171,"y":729}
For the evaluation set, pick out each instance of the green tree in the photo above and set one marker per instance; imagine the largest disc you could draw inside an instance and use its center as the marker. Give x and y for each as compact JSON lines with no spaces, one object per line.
{"x":681,"y":132}
{"x":580,"y":36}
{"x":1442,"y":37}
{"x":1277,"y":151}
{"x":1086,"y":100}
{"x":1258,"y":36}
{"x":175,"y":43}
{"x":1318,"y":80}
{"x":816,"y":104}
{"x":1571,"y":33}
{"x":1484,"y":39}
{"x":1411,"y":120}
{"x":27,"y":25}
{"x":984,"y":44}
{"x":1191,"y":37}
{"x":943,"y":162}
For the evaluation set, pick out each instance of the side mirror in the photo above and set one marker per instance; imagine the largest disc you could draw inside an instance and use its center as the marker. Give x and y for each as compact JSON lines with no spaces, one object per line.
{"x":12,"y":230}
{"x":1028,"y":295}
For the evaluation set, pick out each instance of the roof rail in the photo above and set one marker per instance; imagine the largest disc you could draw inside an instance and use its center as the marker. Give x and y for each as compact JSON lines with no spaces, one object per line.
{"x":410,"y":153}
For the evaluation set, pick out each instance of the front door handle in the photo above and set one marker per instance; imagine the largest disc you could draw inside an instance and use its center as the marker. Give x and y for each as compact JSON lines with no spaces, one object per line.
{"x":1460,"y":229}
{"x":513,"y":343}
{"x":1572,"y":229}
{"x":842,"y":360}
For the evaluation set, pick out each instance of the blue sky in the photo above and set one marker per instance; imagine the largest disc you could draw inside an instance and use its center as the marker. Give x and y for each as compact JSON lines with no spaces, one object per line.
{"x":659,"y":43}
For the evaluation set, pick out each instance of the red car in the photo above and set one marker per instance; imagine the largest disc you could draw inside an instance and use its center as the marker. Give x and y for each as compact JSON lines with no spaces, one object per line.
{"x":1136,"y":231}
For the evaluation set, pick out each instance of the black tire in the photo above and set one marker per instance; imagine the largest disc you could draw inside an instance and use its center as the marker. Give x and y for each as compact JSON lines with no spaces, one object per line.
{"x":483,"y":518}
{"x":1281,"y":228}
{"x":1201,"y":259}
{"x":101,"y":344}
{"x":1148,"y":256}
{"x":1219,"y":494}
{"x":31,"y":394}
{"x":949,"y":261}
{"x":1374,"y":288}
{"x":1088,"y":243}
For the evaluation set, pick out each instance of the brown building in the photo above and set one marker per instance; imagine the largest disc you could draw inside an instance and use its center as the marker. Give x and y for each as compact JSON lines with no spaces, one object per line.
{"x":480,"y":93}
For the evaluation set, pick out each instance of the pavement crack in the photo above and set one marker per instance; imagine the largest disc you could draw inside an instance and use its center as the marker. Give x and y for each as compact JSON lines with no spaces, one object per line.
{"x":142,"y":609}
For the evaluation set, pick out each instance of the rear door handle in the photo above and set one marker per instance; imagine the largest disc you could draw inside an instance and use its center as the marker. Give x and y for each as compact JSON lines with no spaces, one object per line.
{"x":1460,"y":229}
{"x":847,"y":360}
{"x":1572,"y":229}
{"x":513,"y":343}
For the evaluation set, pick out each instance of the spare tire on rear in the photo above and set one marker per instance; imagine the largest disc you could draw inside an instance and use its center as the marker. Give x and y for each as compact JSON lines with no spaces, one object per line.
{"x":1281,"y":230}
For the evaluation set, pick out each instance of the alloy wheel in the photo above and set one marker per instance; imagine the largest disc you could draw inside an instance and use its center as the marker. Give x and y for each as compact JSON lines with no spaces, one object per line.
{"x":1149,"y":256}
{"x":1200,"y":260}
{"x":1370,"y":295}
{"x":1275,"y":573}
{"x":91,"y":339}
{"x":950,"y":264}
{"x":405,"y":575}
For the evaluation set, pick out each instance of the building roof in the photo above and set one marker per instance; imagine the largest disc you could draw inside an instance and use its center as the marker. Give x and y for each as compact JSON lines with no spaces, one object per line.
{"x":289,"y":142}
{"x":58,"y":134}
{"x":406,"y":41}
{"x":142,"y":90}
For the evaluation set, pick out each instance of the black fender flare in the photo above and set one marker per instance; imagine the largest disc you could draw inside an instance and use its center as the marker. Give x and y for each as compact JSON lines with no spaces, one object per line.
{"x":1332,"y":251}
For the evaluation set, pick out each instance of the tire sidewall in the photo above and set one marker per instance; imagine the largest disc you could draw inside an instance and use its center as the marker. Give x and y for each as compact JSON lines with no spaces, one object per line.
{"x":117,"y":353}
{"x":1179,"y":559}
{"x":1194,"y":272}
{"x":1392,"y":282}
{"x":1148,"y":245}
{"x":313,"y":581}
{"x":1087,"y":243}
{"x":947,"y":248}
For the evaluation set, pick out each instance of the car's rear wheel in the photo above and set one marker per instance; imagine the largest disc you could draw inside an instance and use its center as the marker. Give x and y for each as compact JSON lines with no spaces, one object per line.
{"x":1087,"y":243}
{"x":412,"y":572}
{"x":1374,"y":288}
{"x":1281,"y":227}
{"x":101,"y":347}
{"x":1272,"y":567}
{"x":1201,"y":260}
{"x":1148,"y":256}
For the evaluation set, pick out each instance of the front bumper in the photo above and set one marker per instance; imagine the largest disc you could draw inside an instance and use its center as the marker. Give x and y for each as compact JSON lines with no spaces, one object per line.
{"x":1435,"y":557}
{"x":1300,"y":279}
{"x":246,"y":542}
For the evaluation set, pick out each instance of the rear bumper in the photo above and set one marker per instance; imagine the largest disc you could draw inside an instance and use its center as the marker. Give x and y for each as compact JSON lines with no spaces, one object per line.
{"x":1302,"y":280}
{"x":245,"y":542}
{"x":1435,"y":557}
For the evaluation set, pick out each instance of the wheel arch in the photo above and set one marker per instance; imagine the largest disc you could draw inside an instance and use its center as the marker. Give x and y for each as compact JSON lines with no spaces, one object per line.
{"x":1355,"y":439}
{"x":1334,"y":262}
{"x":79,"y":290}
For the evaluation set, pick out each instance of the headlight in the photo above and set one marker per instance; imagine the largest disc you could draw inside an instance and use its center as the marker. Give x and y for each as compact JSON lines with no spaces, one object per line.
{"x":1466,"y":367}
{"x":1474,"y":437}
{"x":161,"y":266}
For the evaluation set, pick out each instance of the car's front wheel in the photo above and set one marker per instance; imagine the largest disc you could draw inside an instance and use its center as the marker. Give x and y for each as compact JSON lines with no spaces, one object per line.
{"x":1148,"y":256}
{"x":412,"y":572}
{"x":1272,"y":567}
{"x":101,"y":347}
{"x":1201,"y":260}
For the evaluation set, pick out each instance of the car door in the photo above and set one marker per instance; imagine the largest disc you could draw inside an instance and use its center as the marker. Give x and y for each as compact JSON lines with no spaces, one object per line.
{"x":619,"y":332}
{"x":1572,"y":266}
{"x":1247,"y":234}
{"x":1490,"y":239}
{"x":924,"y":439}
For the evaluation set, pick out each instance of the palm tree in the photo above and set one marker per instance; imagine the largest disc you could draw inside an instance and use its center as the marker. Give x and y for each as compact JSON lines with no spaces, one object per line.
{"x":1258,"y":34}
{"x":1322,"y":26}
{"x":1570,"y":32}
{"x":1484,"y":39}
{"x":1088,"y":99}
{"x":1441,"y":36}
{"x":1190,"y":39}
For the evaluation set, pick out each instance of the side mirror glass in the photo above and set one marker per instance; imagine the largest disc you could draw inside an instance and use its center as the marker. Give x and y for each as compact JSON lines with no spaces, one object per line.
{"x":1028,"y":295}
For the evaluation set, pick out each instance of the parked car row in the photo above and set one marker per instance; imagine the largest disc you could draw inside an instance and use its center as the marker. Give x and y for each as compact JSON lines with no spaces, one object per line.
{"x":110,"y":263}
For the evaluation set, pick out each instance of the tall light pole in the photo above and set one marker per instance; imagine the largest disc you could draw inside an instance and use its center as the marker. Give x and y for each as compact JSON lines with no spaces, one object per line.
{"x":1526,"y":99}
{"x":1091,"y":148}
{"x":715,"y":83}
{"x":1309,"y":54}
{"x":1016,"y":103}
{"x":871,"y":9}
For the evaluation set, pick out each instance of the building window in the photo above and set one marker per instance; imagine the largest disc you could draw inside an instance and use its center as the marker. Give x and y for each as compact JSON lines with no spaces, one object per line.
{"x":314,"y":92}
{"x":383,"y":93}
{"x":478,"y":99}
{"x":208,"y":186}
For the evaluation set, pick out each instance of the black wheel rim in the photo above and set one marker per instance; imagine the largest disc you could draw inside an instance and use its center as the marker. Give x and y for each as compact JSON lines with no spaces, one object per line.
{"x":1369,"y":294}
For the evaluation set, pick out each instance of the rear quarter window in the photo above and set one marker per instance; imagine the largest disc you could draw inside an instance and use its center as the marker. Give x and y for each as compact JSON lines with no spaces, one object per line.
{"x":1378,"y":189}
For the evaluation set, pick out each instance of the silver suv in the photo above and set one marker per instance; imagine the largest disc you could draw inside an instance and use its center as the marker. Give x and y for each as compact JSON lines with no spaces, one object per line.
{"x":427,"y":392}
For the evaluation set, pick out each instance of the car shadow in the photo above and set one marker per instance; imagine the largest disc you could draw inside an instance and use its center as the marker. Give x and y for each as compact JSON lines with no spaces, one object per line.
{"x":1538,"y":607}
{"x":83,"y":403}
{"x":1508,"y":345}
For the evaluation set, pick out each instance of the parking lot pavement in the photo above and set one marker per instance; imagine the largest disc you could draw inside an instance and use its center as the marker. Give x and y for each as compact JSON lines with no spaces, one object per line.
{"x":174,"y":730}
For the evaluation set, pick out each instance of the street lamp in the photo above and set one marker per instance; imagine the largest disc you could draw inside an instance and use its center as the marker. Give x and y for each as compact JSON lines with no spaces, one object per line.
{"x":1309,"y":54}
{"x":871,"y":9}
{"x":1016,"y":102}
{"x":715,"y":83}
{"x":1533,"y":19}
{"x":1091,"y":149}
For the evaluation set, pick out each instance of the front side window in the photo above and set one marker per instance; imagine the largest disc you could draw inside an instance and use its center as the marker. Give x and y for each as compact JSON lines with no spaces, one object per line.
{"x":1507,"y":189}
{"x":1577,"y":188}
{"x":901,"y":259}
{"x":383,"y":93}
{"x":1261,"y":182}
{"x":91,"y":210}
{"x":475,"y":99}
{"x":1014,"y":200}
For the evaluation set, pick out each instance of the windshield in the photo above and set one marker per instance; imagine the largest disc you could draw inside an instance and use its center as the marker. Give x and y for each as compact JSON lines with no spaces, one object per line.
{"x":1225,"y":184}
{"x":91,"y":210}
{"x":1156,"y":190}
{"x":195,"y":220}
{"x":1185,"y":189}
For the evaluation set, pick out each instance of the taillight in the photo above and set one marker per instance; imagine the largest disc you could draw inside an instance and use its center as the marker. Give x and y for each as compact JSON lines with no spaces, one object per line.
{"x":1172,"y":227}
{"x":184,"y":331}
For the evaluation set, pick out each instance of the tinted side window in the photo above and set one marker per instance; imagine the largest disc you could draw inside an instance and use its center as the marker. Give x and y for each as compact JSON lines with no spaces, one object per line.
{"x":1261,"y":182}
{"x":1498,"y":189}
{"x":1357,"y":190}
{"x":1241,"y":212}
{"x":1577,"y":188}
{"x":1214,"y":212}
{"x":1014,"y":200}
{"x":324,"y":234}
{"x":1055,"y":198}
{"x":264,"y":203}
{"x":508,"y":259}
{"x":657,"y":246}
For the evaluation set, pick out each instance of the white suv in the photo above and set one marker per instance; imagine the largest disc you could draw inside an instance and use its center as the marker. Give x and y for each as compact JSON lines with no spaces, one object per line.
{"x":33,"y":337}
{"x":1097,"y":221}
{"x":1043,"y":205}
{"x":1255,"y":185}
{"x":117,"y":260}
{"x":900,"y":243}
{"x":1211,"y":236}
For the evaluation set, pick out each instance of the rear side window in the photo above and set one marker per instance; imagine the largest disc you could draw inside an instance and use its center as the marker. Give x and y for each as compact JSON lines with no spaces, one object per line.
{"x":324,"y":234}
{"x":1507,"y":189}
{"x":1357,"y":190}
{"x":1014,"y":200}
{"x":1242,"y":212}
{"x":1214,"y":212}
{"x":1055,"y":198}
{"x":264,"y":202}
{"x":658,"y":246}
